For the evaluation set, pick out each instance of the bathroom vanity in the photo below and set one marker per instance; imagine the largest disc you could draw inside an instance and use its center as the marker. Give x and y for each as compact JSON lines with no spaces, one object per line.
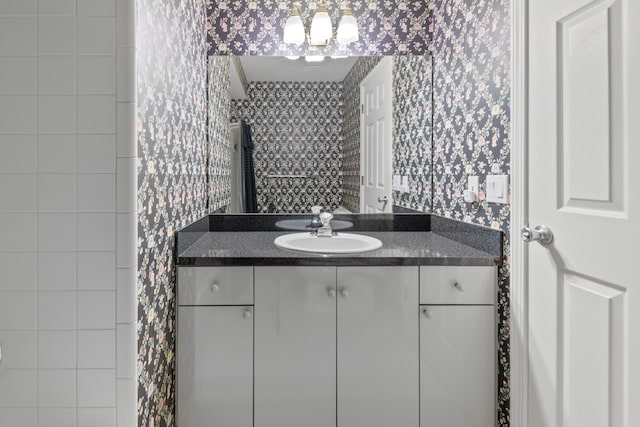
{"x":401,"y":336}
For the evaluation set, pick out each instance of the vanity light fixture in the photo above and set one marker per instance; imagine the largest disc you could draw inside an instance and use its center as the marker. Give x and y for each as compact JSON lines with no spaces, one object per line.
{"x":321,"y":30}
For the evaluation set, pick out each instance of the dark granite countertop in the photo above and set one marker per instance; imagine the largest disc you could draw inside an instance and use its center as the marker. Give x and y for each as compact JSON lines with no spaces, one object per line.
{"x":216,"y":248}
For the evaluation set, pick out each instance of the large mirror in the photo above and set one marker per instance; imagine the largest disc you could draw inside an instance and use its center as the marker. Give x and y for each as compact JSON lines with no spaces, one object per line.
{"x":348,"y":134}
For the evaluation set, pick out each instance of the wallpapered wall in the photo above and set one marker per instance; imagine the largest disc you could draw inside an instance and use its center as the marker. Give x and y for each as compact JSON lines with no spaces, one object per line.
{"x":249,"y":27}
{"x":351,"y":131}
{"x":470,"y":135}
{"x":172,"y":186}
{"x":296,"y":128}
{"x":411,"y":131}
{"x":471,"y":52}
{"x":219,"y":111}
{"x":412,"y":114}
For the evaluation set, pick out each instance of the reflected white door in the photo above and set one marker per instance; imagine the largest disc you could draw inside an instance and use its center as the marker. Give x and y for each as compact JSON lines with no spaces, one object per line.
{"x":376,"y":134}
{"x":584,"y":150}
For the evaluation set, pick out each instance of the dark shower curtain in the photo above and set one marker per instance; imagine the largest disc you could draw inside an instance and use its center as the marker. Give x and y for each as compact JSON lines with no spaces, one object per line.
{"x":248,"y":170}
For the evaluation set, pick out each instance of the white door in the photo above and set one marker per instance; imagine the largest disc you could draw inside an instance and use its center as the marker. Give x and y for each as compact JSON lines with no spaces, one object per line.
{"x":378,"y":361}
{"x":584,"y":156}
{"x":215,"y":366}
{"x":376,"y":138}
{"x":295,"y":346}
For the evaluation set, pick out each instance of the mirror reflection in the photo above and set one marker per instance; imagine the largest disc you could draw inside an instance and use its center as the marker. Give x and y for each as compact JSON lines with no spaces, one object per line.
{"x":348,"y":134}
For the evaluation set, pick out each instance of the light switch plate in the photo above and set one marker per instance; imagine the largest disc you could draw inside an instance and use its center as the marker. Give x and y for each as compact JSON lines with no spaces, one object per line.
{"x":498,"y":189}
{"x":396,"y":183}
{"x":405,"y":184}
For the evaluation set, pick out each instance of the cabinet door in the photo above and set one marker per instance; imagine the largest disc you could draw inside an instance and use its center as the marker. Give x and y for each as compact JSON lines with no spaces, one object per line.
{"x":295,"y":347}
{"x":215,"y":366}
{"x":457,"y":366}
{"x":378,"y":347}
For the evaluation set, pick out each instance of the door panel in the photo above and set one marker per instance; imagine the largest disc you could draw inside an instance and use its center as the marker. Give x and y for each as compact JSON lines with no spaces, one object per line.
{"x":378,"y":347}
{"x":457,"y":366}
{"x":584,"y":304}
{"x":295,"y":347}
{"x":376,"y":130}
{"x":215,"y":366}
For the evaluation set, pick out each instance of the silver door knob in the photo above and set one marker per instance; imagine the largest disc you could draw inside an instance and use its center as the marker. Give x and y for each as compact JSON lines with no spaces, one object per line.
{"x":246,"y":314}
{"x":458,"y":287}
{"x":215,"y":287}
{"x":384,"y":199}
{"x":344,"y":293}
{"x":427,"y":313}
{"x":541,"y":234}
{"x":331,"y":292}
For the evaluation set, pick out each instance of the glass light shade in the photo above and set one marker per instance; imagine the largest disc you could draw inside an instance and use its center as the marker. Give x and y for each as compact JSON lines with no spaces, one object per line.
{"x":314,"y":58}
{"x":321,"y":28}
{"x":292,"y":58}
{"x":347,"y":28}
{"x":294,"y":29}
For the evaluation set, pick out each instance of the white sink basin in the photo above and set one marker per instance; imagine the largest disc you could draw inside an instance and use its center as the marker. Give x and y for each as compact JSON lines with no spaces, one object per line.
{"x":343,"y":243}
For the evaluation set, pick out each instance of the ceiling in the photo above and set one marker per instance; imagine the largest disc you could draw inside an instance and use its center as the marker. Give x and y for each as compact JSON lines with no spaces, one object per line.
{"x":281,"y":69}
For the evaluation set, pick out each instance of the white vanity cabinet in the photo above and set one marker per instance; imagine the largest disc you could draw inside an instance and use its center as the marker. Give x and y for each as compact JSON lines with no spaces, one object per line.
{"x":336,"y":343}
{"x":457,"y":346}
{"x":378,"y":347}
{"x":295,"y":346}
{"x":215,"y":346}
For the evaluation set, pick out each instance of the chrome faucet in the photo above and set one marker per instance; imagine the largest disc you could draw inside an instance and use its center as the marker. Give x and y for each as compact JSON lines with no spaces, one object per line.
{"x":325,"y":230}
{"x":315,"y":221}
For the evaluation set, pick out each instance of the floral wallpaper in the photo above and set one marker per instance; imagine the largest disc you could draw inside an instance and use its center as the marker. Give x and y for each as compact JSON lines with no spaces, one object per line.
{"x":351,"y":131}
{"x":220,"y":145}
{"x":470,"y":133}
{"x":471,"y":129}
{"x":172,"y":181}
{"x":296,"y":129}
{"x":412,"y":114}
{"x":412,"y":125}
{"x":249,"y":27}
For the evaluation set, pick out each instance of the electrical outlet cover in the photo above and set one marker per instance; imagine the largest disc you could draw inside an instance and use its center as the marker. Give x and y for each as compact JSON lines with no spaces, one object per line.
{"x":473,"y":184}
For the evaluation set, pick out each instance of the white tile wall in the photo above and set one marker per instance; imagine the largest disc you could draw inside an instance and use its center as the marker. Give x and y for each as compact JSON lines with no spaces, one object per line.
{"x":67,"y":210}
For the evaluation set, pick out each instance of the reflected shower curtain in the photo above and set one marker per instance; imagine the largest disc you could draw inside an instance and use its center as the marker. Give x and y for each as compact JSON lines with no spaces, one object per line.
{"x":248,"y":170}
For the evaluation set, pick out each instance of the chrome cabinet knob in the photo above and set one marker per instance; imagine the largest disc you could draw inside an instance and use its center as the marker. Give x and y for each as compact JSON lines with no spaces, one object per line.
{"x":246,"y":314}
{"x":331,"y":292}
{"x":215,"y":287}
{"x":458,"y":286}
{"x":344,"y":293}
{"x":541,"y":234}
{"x":383,"y":199}
{"x":427,"y":313}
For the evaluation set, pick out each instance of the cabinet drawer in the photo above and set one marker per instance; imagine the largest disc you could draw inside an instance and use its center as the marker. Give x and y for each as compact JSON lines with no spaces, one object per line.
{"x":215,"y":285}
{"x":457,"y":285}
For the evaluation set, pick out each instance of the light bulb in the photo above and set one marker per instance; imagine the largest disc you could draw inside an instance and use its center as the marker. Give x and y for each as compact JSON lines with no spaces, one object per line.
{"x":294,"y":28}
{"x":292,"y":58}
{"x":321,"y":27}
{"x":347,"y":28}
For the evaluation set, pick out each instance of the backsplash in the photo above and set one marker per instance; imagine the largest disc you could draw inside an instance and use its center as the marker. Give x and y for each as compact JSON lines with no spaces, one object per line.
{"x":246,"y":27}
{"x":471,"y":53}
{"x":296,"y":129}
{"x":172,"y":181}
